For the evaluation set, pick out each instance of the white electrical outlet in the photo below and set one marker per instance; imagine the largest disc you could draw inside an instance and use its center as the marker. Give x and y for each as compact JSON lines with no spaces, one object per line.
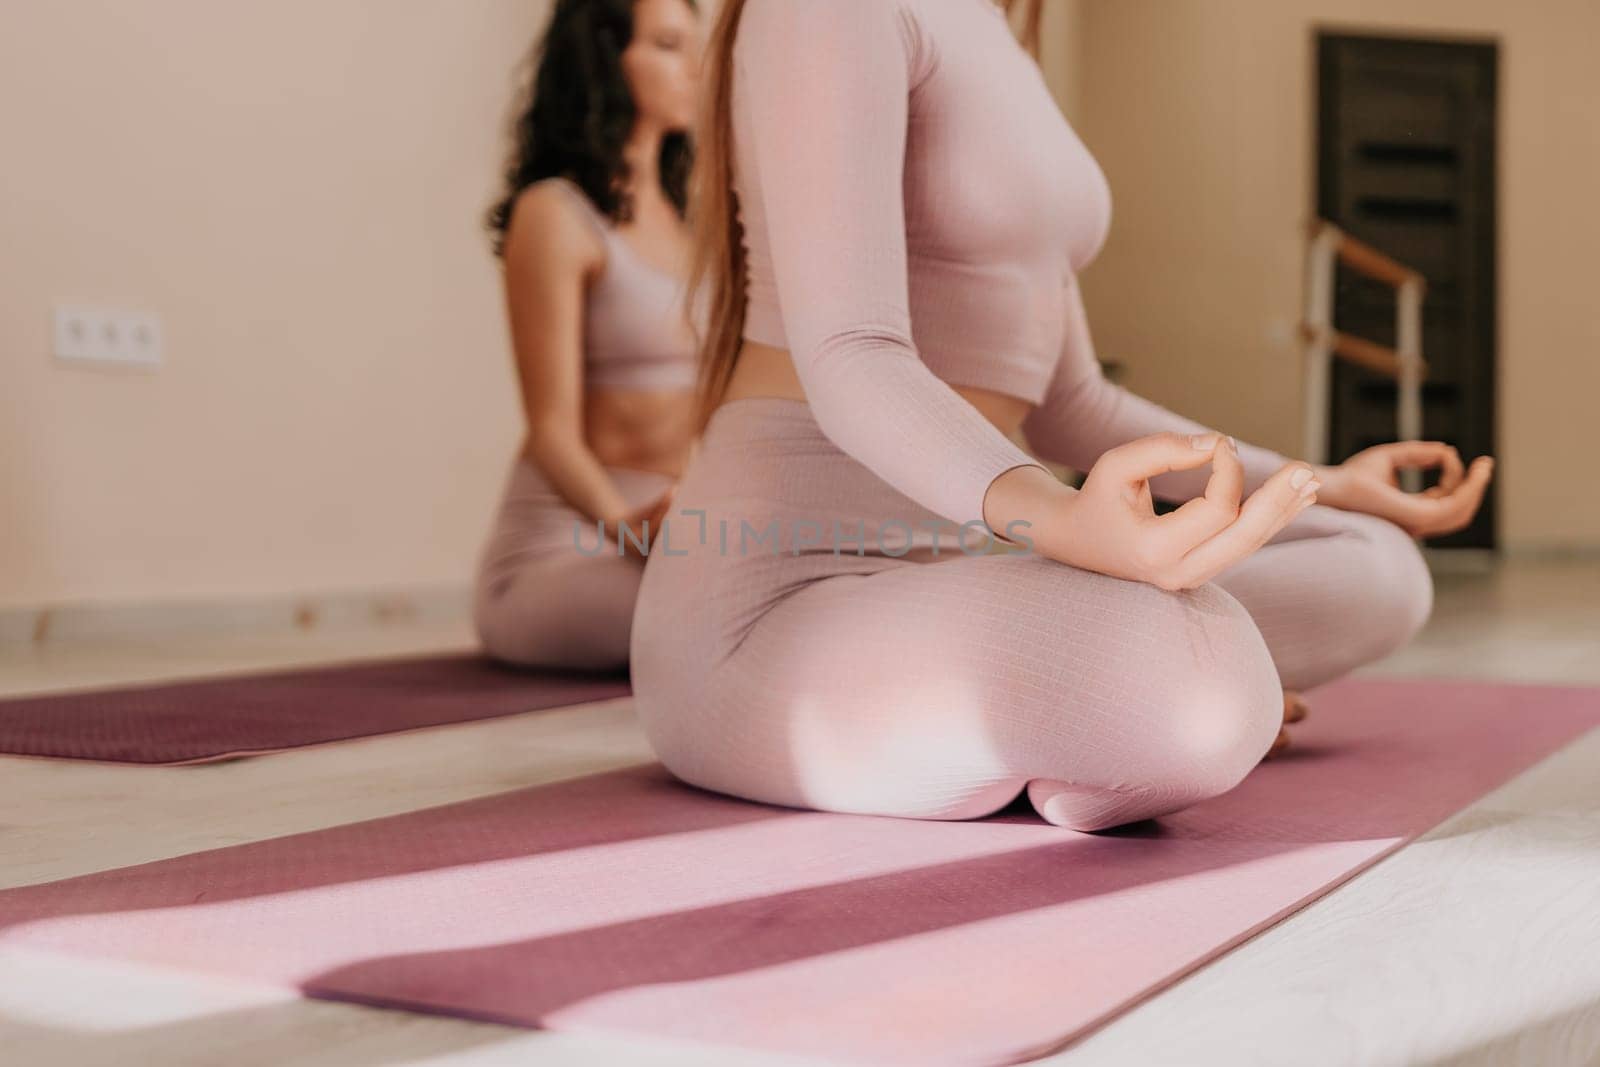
{"x":101,"y":335}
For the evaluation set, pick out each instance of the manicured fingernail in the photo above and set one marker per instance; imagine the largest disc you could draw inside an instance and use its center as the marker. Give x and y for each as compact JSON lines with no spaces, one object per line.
{"x":1300,"y":477}
{"x":1310,"y":489}
{"x":1202,"y":440}
{"x":1232,"y":443}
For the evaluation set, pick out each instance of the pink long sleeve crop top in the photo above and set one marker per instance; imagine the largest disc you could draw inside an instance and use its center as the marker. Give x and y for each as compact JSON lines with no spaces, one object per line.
{"x":915,"y":209}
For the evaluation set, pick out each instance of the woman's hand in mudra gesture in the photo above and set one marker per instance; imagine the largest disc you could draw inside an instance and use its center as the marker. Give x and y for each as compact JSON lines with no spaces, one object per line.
{"x":1110,"y":525}
{"x":1369,"y":482}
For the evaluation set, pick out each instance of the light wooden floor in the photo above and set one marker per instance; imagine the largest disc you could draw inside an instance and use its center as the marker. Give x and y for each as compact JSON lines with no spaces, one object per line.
{"x":1480,"y":943}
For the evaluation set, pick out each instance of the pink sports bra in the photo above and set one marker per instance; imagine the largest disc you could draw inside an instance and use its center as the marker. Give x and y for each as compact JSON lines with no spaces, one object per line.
{"x":636,"y":332}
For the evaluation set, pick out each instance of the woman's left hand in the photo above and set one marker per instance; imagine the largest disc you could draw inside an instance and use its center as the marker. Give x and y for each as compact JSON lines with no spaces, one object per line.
{"x":645,"y":525}
{"x":1369,"y":482}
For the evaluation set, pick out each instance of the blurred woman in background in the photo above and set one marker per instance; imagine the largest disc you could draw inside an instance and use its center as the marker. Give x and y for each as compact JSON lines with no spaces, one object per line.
{"x":592,"y":234}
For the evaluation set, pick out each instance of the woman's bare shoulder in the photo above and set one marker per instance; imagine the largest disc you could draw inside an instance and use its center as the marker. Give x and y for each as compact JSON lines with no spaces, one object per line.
{"x":549,"y":225}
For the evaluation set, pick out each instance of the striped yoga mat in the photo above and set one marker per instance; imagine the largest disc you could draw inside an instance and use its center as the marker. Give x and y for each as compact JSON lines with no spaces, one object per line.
{"x":628,"y":902}
{"x":211,"y":719}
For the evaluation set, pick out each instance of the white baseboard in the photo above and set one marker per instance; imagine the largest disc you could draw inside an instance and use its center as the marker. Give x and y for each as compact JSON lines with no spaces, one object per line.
{"x":1460,"y":560}
{"x":1559,"y":550}
{"x":69,"y":623}
{"x":1484,"y":560}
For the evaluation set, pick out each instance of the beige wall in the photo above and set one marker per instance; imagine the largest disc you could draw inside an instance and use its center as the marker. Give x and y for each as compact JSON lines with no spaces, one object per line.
{"x":1061,"y":51}
{"x":1201,"y":114}
{"x":295,"y":187}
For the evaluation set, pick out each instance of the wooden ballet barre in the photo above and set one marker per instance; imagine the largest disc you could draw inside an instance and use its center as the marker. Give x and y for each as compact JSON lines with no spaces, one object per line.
{"x":1366,"y":260}
{"x":1370,"y":354}
{"x":1328,"y":246}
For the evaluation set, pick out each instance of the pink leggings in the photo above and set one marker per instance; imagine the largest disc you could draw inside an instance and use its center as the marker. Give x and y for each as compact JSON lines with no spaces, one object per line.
{"x":544,"y":600}
{"x":941,"y":688}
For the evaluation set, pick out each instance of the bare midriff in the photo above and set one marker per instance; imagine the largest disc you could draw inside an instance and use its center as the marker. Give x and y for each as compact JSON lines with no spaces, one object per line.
{"x":642,"y":429}
{"x":652,"y":429}
{"x":763,"y":370}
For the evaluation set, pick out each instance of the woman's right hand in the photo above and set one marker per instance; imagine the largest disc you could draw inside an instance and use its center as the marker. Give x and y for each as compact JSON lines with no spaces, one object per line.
{"x":1110,"y":525}
{"x":645,"y":524}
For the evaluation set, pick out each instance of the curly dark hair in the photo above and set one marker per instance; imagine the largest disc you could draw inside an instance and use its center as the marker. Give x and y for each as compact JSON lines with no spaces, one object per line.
{"x":577,"y":112}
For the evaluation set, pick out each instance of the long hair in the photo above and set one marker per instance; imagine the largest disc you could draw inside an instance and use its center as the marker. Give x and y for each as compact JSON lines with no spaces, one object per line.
{"x":576,"y":113}
{"x":717,"y":260}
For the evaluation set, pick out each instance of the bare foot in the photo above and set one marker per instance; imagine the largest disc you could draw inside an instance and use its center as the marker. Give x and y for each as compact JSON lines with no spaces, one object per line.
{"x":1294,"y":709}
{"x":1294,"y":706}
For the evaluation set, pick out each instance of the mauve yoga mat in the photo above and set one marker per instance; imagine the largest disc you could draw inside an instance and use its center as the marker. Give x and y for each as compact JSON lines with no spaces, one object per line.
{"x":221,"y":718}
{"x":631,"y":903}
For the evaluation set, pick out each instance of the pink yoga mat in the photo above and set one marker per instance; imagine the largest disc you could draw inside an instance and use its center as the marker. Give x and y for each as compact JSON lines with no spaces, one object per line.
{"x":630,"y":903}
{"x":223,"y":718}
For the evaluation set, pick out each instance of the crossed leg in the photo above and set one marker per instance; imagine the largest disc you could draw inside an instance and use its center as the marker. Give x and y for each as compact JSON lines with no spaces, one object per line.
{"x":561,"y":611}
{"x":941,"y":690}
{"x":1331,"y":591}
{"x":549,"y":592}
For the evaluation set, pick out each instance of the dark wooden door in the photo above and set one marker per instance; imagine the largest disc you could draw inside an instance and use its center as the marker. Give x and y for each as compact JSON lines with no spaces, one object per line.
{"x":1406,"y":163}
